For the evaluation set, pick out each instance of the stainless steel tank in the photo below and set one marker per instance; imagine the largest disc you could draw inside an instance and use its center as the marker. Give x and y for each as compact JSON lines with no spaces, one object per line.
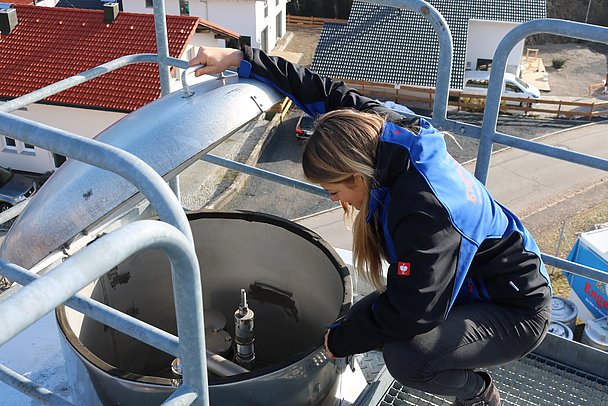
{"x":564,"y":311}
{"x":295,"y":284}
{"x":169,"y":134}
{"x":561,"y":330}
{"x":595,"y":333}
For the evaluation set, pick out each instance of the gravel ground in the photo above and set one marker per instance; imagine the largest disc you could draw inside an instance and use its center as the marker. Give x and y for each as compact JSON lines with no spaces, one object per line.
{"x":585,"y":64}
{"x":518,"y":126}
{"x":304,"y":41}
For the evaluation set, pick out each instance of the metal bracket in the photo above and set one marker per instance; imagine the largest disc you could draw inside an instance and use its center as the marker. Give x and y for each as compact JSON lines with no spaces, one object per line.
{"x":257,"y":103}
{"x":186,"y":88}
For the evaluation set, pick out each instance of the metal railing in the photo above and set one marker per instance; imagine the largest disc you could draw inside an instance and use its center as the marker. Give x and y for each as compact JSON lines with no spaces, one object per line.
{"x":60,"y":285}
{"x":40,"y":295}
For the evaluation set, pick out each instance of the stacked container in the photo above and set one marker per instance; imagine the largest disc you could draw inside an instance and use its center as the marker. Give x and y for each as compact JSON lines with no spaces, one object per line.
{"x":560,"y":329}
{"x":596,"y":333}
{"x":564,"y":311}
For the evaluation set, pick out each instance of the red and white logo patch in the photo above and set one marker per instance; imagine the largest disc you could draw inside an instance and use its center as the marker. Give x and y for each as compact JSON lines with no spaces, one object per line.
{"x":403,"y":269}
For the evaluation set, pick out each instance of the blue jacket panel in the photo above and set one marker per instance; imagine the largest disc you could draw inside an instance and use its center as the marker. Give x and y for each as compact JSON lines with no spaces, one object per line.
{"x":471,"y":209}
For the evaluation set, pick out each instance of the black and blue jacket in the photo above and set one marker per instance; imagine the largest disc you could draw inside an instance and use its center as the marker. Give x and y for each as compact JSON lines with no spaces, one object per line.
{"x":446,"y":239}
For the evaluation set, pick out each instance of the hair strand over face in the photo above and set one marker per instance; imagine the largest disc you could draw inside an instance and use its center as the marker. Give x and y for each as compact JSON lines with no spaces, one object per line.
{"x":344,"y":143}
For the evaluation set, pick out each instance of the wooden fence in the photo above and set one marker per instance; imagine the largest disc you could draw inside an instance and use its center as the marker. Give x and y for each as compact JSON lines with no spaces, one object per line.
{"x":311,"y":22}
{"x":425,"y":97}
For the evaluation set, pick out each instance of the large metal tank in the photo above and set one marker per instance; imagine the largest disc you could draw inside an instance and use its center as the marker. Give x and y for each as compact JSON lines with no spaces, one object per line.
{"x":169,"y":134}
{"x":295,"y":284}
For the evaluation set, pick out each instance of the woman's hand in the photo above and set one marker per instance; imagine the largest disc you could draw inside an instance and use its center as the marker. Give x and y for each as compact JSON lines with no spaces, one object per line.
{"x":327,"y":352}
{"x":216,"y":60}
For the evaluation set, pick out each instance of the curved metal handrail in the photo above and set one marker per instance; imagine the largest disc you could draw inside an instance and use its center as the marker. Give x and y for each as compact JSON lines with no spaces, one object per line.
{"x":67,"y":279}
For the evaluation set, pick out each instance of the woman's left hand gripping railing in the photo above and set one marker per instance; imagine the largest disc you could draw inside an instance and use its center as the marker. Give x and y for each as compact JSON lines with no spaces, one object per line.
{"x":57,"y":286}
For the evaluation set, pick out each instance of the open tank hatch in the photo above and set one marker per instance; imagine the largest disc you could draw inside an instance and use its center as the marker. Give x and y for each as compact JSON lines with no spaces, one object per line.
{"x":293,"y":281}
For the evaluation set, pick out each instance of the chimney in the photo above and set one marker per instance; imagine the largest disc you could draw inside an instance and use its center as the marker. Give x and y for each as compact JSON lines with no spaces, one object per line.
{"x":110,"y":12}
{"x":8,"y":20}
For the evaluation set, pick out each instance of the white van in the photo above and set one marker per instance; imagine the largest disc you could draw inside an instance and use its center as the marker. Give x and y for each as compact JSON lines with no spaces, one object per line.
{"x":476,"y":82}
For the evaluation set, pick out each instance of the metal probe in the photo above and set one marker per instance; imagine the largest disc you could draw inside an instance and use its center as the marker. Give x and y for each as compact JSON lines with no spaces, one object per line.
{"x":243,"y":331}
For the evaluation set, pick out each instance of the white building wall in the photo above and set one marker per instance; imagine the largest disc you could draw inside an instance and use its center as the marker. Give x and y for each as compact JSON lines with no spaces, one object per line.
{"x":245,"y":17}
{"x":483,"y":39}
{"x":266,"y":18}
{"x":203,"y":39}
{"x":199,"y":8}
{"x":236,"y":15}
{"x":83,"y":122}
{"x":198,"y":40}
{"x":47,"y":3}
{"x":139,"y":6}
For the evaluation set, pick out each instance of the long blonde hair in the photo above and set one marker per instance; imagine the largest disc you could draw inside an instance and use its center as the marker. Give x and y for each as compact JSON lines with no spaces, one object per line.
{"x":345,"y":142}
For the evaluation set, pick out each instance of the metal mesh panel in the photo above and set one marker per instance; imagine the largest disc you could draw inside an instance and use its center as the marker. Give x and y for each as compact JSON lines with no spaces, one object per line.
{"x":531,"y":381}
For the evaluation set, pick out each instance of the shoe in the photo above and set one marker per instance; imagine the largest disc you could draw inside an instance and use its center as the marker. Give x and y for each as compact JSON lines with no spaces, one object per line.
{"x":489,"y":396}
{"x":4,"y":284}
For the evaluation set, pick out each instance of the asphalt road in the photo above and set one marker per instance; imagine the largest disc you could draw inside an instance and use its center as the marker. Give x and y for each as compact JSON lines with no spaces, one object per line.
{"x":283,"y":154}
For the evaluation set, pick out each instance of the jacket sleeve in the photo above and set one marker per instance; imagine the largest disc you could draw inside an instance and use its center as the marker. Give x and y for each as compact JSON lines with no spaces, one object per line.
{"x":313,"y":93}
{"x":419,"y":283}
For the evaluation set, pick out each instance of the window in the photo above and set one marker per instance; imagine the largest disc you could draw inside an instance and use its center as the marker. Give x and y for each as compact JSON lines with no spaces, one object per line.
{"x":480,"y":83}
{"x":5,"y":175}
{"x":521,"y":83}
{"x":278,"y":1}
{"x":58,"y":160}
{"x":28,"y":149}
{"x":192,"y":52}
{"x":245,"y":40}
{"x":184,"y":7}
{"x":149,"y":4}
{"x":279,"y":24}
{"x":264,"y":44}
{"x":14,"y":146}
{"x":510,"y":87}
{"x":265,"y":9}
{"x":202,"y":10}
{"x":10,"y":144}
{"x":484,"y":64}
{"x":234,"y":43}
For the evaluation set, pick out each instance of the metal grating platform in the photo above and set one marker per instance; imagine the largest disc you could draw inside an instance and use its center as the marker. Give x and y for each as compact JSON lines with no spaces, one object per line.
{"x":531,"y":381}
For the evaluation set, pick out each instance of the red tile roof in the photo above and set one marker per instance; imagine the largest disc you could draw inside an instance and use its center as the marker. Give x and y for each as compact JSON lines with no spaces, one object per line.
{"x":49,"y":44}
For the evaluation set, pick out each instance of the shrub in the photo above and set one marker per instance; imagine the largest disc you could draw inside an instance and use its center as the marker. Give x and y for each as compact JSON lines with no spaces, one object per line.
{"x":558,"y":63}
{"x":478,"y":104}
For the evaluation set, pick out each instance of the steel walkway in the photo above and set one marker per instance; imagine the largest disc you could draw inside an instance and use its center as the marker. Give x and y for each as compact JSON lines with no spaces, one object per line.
{"x":532,"y":381}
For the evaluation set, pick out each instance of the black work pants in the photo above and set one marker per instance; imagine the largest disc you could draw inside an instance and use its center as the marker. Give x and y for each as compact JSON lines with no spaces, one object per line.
{"x":475,"y":335}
